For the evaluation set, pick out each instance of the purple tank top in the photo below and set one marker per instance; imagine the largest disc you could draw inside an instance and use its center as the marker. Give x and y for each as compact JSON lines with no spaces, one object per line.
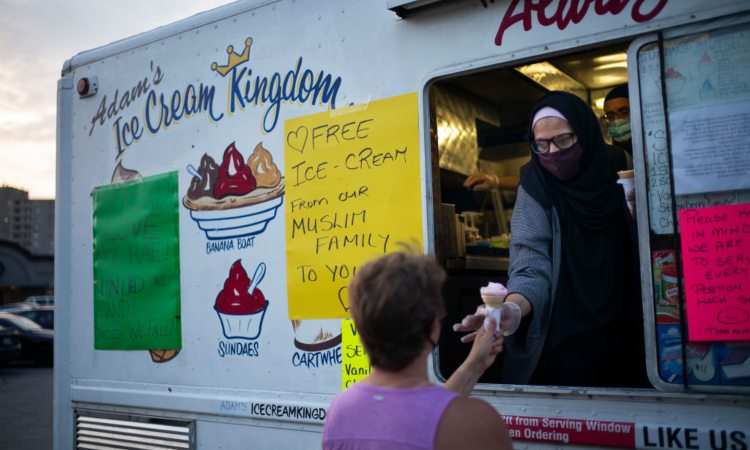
{"x":366,"y":417}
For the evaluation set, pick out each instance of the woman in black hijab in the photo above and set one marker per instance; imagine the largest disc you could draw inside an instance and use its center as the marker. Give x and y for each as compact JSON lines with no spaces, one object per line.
{"x":573,"y":270}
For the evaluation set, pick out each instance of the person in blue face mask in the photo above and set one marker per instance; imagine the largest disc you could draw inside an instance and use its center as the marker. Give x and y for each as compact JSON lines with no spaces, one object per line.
{"x":617,"y":117}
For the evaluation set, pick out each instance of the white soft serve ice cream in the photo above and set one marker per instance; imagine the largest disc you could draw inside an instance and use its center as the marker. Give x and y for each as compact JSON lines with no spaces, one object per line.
{"x":493,"y":296}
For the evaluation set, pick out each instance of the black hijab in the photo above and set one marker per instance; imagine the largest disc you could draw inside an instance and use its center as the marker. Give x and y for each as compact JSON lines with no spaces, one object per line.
{"x":596,"y":246}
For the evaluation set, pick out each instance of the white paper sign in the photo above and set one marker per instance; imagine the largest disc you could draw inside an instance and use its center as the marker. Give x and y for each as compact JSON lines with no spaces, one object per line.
{"x":709,"y":99}
{"x":655,"y":142}
{"x":710,"y":148}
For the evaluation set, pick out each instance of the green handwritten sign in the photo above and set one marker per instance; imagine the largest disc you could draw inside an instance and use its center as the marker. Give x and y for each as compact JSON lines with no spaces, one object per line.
{"x":137,"y":265}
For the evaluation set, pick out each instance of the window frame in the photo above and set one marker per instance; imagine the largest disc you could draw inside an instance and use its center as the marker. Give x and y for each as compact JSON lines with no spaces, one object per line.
{"x":643,"y":208}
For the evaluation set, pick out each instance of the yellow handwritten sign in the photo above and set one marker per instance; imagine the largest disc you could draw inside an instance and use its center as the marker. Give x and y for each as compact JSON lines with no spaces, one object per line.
{"x":355,"y":365}
{"x":353,"y":192}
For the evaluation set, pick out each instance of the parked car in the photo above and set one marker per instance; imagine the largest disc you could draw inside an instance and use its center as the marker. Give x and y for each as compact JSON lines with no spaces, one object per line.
{"x":41,"y":300}
{"x":43,"y":315}
{"x":8,"y":307}
{"x":10,"y":345}
{"x":36,"y":343}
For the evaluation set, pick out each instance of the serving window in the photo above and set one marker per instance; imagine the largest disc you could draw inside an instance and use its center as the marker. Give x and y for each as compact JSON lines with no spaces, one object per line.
{"x":480,"y":121}
{"x":690,"y":116}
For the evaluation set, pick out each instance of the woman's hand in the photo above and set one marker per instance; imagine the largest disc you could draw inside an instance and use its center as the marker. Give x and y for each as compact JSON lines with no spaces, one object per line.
{"x":510,"y":319}
{"x":471,"y":323}
{"x":487,"y":345}
{"x":480,"y":182}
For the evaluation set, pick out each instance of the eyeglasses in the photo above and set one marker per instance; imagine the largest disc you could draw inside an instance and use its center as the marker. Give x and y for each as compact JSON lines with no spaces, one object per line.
{"x":562,"y":141}
{"x":622,"y":113}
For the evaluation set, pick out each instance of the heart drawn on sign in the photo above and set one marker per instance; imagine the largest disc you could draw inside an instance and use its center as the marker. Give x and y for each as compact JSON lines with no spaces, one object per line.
{"x":297,"y":139}
{"x":344,"y":301}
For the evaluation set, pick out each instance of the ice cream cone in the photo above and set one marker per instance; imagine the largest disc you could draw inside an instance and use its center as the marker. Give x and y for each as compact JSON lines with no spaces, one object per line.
{"x":493,"y":295}
{"x":162,"y":356}
{"x":493,"y":304}
{"x":493,"y":301}
{"x":627,"y":181}
{"x":624,"y":174}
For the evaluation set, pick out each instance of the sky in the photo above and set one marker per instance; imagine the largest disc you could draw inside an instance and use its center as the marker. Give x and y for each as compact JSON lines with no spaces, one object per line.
{"x":36,"y":38}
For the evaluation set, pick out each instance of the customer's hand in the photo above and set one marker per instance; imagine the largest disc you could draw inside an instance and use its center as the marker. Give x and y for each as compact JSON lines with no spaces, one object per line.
{"x":480,"y":182}
{"x":472,"y":323}
{"x":487,"y":345}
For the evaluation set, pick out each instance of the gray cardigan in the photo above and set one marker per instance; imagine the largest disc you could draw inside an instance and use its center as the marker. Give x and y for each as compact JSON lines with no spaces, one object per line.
{"x":533,"y":272}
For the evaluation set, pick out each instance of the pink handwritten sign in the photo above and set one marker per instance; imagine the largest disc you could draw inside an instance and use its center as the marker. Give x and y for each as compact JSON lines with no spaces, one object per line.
{"x":716,"y":269}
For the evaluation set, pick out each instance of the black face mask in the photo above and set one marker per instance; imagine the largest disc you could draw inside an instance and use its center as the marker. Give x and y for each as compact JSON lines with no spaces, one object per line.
{"x":563,"y":164}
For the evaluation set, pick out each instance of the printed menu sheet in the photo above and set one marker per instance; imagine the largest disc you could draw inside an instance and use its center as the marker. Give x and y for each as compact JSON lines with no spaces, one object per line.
{"x":711,"y":145}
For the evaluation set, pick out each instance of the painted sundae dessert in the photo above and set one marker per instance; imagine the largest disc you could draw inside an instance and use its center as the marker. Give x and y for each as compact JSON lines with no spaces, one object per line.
{"x":234,"y":184}
{"x":235,"y":178}
{"x":235,"y":199}
{"x":261,"y":163}
{"x":316,"y":335}
{"x":240,"y":305}
{"x":162,"y":356}
{"x":493,"y":296}
{"x":121,"y":174}
{"x":203,"y":184}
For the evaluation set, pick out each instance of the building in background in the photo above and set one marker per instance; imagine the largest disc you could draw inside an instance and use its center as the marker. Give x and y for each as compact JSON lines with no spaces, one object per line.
{"x":30,"y":223}
{"x":22,"y":274}
{"x":27,"y":245}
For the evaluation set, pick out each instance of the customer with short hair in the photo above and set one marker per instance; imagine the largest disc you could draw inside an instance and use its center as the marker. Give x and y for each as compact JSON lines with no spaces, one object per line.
{"x":397,"y":306}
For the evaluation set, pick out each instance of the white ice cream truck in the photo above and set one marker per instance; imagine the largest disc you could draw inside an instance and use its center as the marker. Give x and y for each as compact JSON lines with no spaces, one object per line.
{"x":221,"y":178}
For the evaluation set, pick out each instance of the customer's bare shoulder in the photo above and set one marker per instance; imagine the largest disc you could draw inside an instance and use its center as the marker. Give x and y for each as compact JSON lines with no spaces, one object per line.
{"x":472,"y":423}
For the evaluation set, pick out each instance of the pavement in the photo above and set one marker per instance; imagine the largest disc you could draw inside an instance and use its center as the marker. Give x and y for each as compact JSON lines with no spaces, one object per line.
{"x":25,"y":407}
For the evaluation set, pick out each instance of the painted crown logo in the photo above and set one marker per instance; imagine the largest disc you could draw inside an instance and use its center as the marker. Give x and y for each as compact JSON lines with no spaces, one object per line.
{"x":235,"y":59}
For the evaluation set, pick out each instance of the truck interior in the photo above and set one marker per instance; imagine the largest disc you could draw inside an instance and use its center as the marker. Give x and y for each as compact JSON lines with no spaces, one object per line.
{"x":480,"y":122}
{"x":686,"y":77}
